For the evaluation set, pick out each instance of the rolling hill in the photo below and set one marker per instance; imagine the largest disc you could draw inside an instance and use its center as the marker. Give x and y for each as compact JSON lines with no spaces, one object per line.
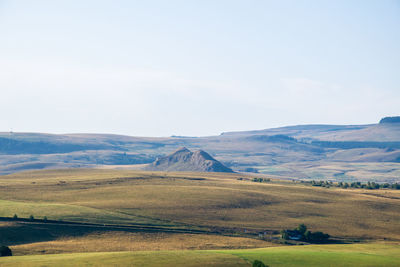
{"x":339,"y":152}
{"x":168,"y":218}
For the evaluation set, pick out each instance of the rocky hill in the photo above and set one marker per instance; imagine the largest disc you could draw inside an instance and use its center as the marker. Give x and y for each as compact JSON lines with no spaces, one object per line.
{"x":185,"y":160}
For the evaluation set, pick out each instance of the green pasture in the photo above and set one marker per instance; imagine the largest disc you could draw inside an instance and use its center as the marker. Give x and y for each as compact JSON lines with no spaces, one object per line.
{"x":372,"y":255}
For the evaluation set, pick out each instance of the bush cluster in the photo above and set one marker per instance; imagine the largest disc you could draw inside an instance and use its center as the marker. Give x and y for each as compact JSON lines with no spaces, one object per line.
{"x":305,"y":235}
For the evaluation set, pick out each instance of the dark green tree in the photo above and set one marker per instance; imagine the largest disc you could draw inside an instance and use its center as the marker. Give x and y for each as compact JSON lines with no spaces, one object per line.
{"x":315,"y":236}
{"x":302,"y":228}
{"x":307,"y":236}
{"x":319,"y":236}
{"x":284,"y":235}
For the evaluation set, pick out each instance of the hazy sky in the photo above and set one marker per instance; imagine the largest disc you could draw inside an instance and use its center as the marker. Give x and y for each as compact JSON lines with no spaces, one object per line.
{"x":160,"y":68}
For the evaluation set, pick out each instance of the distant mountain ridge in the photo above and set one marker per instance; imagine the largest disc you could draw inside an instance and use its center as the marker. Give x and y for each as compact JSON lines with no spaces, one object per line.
{"x":284,"y":151}
{"x":387,"y":130}
{"x":185,"y":160}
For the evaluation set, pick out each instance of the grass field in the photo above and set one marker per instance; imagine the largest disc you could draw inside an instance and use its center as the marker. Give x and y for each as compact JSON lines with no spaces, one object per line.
{"x":209,"y":219}
{"x":372,"y":255}
{"x":326,"y":255}
{"x":199,"y":200}
{"x":108,"y":241}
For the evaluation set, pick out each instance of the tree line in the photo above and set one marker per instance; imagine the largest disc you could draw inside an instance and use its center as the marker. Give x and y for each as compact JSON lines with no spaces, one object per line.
{"x":368,"y":185}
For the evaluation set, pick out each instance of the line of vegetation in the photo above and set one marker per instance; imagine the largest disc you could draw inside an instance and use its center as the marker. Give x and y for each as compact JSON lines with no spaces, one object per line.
{"x":261,"y":180}
{"x":31,"y":218}
{"x":368,"y":185}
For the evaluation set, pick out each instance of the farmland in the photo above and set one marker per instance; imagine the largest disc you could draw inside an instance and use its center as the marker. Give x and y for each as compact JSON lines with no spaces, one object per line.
{"x":195,"y":200}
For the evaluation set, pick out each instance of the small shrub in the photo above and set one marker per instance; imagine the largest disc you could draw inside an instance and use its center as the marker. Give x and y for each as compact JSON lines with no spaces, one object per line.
{"x":31,"y":218}
{"x":261,"y":180}
{"x":15,"y":217}
{"x":5,"y":251}
{"x":45,"y":218}
{"x":258,"y":263}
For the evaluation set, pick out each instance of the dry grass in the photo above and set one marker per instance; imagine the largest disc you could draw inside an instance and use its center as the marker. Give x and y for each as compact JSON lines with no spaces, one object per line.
{"x":123,"y":241}
{"x":202,"y":199}
{"x":123,"y":259}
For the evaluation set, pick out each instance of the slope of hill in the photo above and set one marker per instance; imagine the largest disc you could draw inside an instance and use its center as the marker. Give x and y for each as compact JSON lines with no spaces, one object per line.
{"x":185,"y":160}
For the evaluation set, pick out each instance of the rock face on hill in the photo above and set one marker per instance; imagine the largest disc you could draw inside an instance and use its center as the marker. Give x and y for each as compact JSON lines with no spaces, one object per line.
{"x":185,"y":160}
{"x":390,"y":120}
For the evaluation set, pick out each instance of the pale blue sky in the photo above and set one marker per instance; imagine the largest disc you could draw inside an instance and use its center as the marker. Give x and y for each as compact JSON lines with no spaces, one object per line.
{"x":158,"y":68}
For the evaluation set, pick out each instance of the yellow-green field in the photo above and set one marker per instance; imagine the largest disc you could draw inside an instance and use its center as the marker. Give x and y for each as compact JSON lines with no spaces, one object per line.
{"x":207,"y":200}
{"x":137,"y":241}
{"x":227,"y":210}
{"x":363,"y":255}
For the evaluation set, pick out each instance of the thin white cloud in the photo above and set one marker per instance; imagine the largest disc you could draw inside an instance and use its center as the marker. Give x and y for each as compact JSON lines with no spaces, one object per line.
{"x":138,"y":101}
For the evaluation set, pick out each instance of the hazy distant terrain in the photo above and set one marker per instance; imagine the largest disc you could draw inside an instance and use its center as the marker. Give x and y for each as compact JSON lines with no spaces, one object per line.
{"x":349,"y":152}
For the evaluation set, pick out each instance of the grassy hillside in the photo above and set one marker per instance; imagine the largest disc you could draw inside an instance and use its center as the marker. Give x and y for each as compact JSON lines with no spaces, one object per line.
{"x":215,"y":202}
{"x":138,"y":218}
{"x":384,"y":255}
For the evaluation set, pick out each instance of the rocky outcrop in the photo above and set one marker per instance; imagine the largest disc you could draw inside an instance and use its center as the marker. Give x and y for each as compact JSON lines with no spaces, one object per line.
{"x":185,"y":160}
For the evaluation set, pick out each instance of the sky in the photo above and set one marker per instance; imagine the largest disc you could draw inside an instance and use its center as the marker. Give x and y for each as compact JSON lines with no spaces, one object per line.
{"x":196,"y":68}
